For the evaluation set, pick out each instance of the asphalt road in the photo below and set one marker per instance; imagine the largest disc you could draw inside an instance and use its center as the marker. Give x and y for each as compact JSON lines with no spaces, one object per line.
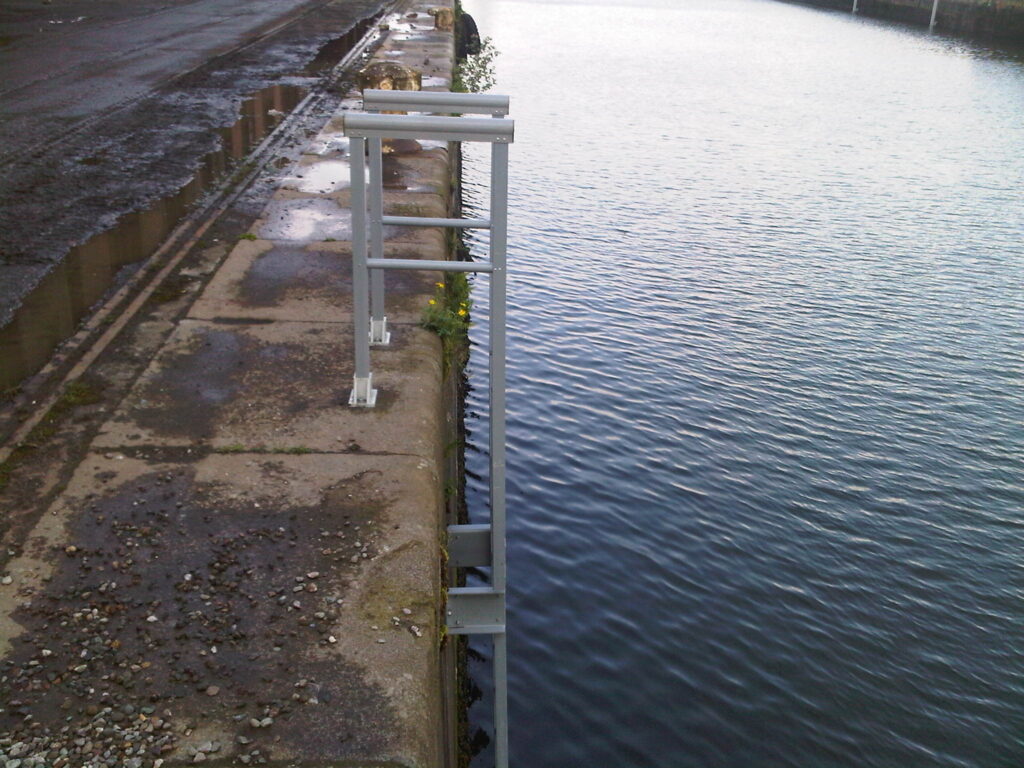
{"x":145,"y":85}
{"x":72,"y":60}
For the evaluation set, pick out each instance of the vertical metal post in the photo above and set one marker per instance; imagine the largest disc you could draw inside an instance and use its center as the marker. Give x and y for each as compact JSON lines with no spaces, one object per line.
{"x":500,"y":702}
{"x":363,"y":393}
{"x":935,"y":10}
{"x":378,"y":322}
{"x":854,"y":6}
{"x":499,"y":244}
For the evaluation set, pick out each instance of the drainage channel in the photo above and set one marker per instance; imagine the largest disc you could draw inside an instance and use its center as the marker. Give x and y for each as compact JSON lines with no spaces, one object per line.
{"x":75,"y":308}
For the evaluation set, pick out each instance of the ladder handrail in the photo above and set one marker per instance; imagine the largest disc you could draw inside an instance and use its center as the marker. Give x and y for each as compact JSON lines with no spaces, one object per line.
{"x":436,"y":101}
{"x":367,"y":126}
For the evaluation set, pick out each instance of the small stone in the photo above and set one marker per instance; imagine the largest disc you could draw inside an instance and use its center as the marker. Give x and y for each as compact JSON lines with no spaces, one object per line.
{"x":332,"y":639}
{"x":6,"y":580}
{"x":151,"y":619}
{"x":212,"y":690}
{"x":407,"y":612}
{"x":199,"y":758}
{"x":381,"y":640}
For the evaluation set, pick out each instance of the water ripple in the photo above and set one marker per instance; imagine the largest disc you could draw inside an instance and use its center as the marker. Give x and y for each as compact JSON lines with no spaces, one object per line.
{"x":766,"y":414}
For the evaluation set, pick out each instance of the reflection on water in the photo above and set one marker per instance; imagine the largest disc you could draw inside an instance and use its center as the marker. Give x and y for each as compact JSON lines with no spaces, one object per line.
{"x":766,"y":414}
{"x":53,"y":310}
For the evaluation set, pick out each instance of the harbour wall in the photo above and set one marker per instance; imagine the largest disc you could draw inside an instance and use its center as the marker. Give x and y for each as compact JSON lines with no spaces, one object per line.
{"x":997,"y":19}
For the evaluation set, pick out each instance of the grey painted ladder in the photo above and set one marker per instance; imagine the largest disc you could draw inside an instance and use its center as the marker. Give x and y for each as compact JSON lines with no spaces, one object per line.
{"x":469,"y":610}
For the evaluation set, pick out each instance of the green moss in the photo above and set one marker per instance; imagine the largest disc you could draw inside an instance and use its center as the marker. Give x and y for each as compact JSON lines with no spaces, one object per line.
{"x":75,"y":395}
{"x":247,"y":236}
{"x":295,"y":450}
{"x":169,"y":290}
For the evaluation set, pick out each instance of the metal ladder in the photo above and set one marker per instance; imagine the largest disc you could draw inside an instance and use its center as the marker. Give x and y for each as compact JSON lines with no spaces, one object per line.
{"x":469,"y":610}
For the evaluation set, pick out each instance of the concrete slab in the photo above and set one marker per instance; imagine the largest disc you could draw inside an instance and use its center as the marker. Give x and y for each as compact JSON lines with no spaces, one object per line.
{"x":316,"y":175}
{"x":303,"y":219}
{"x":261,"y":280}
{"x":277,"y":607}
{"x":282,"y":387}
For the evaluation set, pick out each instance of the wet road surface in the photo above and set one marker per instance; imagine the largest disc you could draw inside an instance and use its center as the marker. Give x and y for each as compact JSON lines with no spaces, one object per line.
{"x":107,"y":107}
{"x":61,"y":66}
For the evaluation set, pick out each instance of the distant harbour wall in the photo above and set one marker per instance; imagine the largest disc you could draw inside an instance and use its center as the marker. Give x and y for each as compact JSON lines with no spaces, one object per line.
{"x":998,"y":19}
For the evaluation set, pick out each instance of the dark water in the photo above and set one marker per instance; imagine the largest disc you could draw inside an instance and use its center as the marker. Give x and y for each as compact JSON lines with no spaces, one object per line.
{"x":767,"y":421}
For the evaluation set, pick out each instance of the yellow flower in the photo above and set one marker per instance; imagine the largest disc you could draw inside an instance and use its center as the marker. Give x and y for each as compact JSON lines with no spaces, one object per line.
{"x":462,"y":313}
{"x":439,"y":285}
{"x":431,"y":302}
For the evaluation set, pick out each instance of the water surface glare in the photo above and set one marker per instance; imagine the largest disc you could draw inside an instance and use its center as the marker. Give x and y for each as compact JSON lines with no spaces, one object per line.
{"x":766,"y":365}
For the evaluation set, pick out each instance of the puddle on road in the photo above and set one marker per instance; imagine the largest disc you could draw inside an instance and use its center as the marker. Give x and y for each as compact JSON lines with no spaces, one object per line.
{"x":305,"y":220}
{"x":324,"y":177}
{"x":335,"y":50}
{"x":52,"y":311}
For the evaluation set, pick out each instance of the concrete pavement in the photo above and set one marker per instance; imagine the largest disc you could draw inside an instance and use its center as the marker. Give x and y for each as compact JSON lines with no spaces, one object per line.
{"x":243,"y":569}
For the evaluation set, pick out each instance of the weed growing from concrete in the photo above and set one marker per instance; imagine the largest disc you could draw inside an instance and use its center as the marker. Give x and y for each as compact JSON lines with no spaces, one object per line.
{"x":475,"y":74}
{"x":447,"y":314}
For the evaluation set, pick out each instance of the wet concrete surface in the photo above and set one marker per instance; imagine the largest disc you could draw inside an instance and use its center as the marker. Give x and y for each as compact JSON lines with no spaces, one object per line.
{"x":241,"y":569}
{"x":171,"y":605}
{"x":104,"y":116}
{"x":284,"y":281}
{"x":280,"y":386}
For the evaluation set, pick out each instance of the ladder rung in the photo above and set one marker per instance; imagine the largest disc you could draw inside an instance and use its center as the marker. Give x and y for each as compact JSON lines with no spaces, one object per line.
{"x":440,"y":266}
{"x":469,"y":545}
{"x":424,"y":221}
{"x":475,"y":611}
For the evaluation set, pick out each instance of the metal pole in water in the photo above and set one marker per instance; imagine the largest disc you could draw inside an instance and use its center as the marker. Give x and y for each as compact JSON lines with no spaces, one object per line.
{"x":499,"y":244}
{"x":854,"y":6}
{"x":500,"y":701}
{"x":935,"y":10}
